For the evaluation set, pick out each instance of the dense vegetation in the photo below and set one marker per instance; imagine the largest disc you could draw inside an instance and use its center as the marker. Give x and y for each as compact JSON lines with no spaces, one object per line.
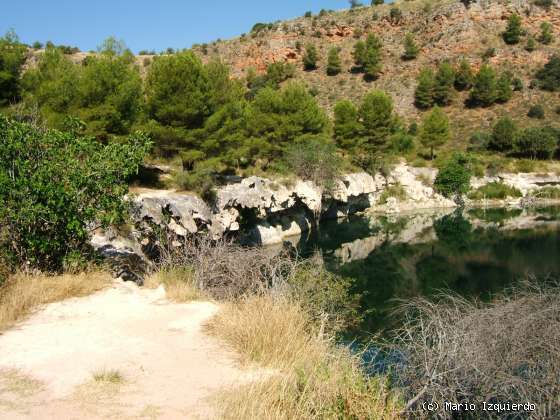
{"x":214,"y":124}
{"x":56,"y":188}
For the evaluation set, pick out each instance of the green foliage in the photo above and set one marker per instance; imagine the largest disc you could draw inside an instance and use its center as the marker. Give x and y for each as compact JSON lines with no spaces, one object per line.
{"x":546,"y":4}
{"x":377,"y":2}
{"x":12,"y":57}
{"x":310,"y":57}
{"x":276,"y":73}
{"x":367,"y":56}
{"x":434,"y":131}
{"x":411,"y":50}
{"x":55,"y":187}
{"x":395,"y":14}
{"x":504,"y":89}
{"x":504,"y":135}
{"x":314,"y":160}
{"x":494,"y":191}
{"x":276,"y":119}
{"x":531,"y":44}
{"x":378,"y":123}
{"x":178,"y":91}
{"x":485,"y":89}
{"x":479,"y":141}
{"x":464,"y":77}
{"x":53,"y":85}
{"x":513,"y":31}
{"x":454,"y":176}
{"x":536,"y":142}
{"x":546,"y":37}
{"x":37,"y":45}
{"x":334,"y":66}
{"x":547,"y":192}
{"x":402,"y":142}
{"x":346,"y":125}
{"x":536,"y":111}
{"x":372,"y":59}
{"x":549,"y":76}
{"x":424,"y":93}
{"x":443,"y":84}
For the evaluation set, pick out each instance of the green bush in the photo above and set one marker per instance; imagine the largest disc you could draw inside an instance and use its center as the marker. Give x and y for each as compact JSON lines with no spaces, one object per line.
{"x":310,"y":57}
{"x":464,"y":76}
{"x":55,"y":187}
{"x":424,"y":93}
{"x":513,"y":31}
{"x":494,"y":190}
{"x":504,"y":135}
{"x":546,"y":37}
{"x":485,"y":89}
{"x":549,"y":76}
{"x":434,"y":131}
{"x":536,"y":111}
{"x":537,"y":142}
{"x":334,"y":66}
{"x":454,"y":176}
{"x":411,"y":50}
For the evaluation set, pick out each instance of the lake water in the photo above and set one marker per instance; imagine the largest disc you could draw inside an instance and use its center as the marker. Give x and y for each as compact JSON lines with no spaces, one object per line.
{"x":475,"y":253}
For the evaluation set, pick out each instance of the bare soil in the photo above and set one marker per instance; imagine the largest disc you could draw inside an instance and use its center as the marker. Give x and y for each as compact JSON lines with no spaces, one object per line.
{"x":170,"y":368}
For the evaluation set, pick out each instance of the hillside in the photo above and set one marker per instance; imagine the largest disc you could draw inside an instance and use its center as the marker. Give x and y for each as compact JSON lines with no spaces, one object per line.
{"x":445,"y":30}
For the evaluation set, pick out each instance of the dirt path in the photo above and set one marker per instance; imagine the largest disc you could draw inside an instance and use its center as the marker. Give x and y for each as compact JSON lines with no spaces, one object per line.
{"x":169,"y":366}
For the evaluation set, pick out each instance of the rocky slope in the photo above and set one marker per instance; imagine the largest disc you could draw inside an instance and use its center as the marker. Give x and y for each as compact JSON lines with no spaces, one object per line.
{"x":445,"y":30}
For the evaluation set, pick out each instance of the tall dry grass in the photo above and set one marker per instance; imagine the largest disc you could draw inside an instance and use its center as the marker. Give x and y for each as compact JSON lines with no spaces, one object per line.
{"x":313,"y":379}
{"x":23,"y":293}
{"x":456,"y":350}
{"x":179,"y":283}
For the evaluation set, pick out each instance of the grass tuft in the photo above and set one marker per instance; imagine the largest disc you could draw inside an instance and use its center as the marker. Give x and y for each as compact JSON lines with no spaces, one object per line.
{"x":111,"y":376}
{"x":179,"y":283}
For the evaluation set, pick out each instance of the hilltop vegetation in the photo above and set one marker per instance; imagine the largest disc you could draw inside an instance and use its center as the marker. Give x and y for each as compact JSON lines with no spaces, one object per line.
{"x":356,"y":89}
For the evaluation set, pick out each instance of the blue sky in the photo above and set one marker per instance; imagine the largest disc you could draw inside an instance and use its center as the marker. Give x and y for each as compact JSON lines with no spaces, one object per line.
{"x":145,"y":24}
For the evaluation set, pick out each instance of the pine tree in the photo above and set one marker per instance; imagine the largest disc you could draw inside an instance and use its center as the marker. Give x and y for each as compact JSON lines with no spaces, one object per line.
{"x":310,"y":57}
{"x":378,"y":121}
{"x":411,"y":50}
{"x":504,"y":90}
{"x":359,"y":54}
{"x":424,"y":94}
{"x":546,"y":36}
{"x":503,"y":136}
{"x":334,"y":65}
{"x":464,"y":76}
{"x":484,"y":91}
{"x":372,"y":62}
{"x":513,"y":30}
{"x":443,"y":86}
{"x":434,"y":131}
{"x":531,"y":44}
{"x":346,"y":125}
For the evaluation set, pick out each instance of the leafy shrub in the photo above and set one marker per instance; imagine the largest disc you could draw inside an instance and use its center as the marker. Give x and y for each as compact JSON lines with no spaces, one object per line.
{"x":55,"y":186}
{"x":494,"y":190}
{"x":454,"y":176}
{"x":12,"y":57}
{"x":547,"y":192}
{"x":479,"y":141}
{"x":546,"y":37}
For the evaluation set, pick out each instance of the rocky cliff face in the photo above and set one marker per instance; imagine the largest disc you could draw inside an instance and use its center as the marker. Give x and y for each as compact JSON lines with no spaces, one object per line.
{"x":267,"y":212}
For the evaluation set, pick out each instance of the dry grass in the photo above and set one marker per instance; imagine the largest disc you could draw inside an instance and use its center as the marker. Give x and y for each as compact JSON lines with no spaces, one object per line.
{"x":22,"y":293}
{"x":458,"y":351}
{"x":179,"y":283}
{"x":314,"y":378}
{"x":111,"y":376}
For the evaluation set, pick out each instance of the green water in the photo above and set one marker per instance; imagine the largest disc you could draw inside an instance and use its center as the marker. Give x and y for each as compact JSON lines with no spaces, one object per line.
{"x":475,"y":253}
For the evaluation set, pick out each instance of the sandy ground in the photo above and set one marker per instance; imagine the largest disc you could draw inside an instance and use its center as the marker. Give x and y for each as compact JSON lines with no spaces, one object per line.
{"x":171,"y":368}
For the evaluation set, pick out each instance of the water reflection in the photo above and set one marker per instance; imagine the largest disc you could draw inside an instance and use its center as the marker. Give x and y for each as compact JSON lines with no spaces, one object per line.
{"x":474,"y":252}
